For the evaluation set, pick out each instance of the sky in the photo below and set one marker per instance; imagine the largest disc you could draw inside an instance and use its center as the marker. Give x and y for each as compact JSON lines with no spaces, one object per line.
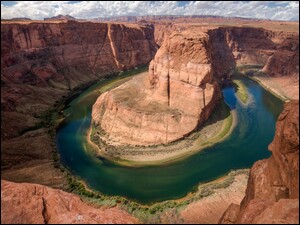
{"x":275,"y":10}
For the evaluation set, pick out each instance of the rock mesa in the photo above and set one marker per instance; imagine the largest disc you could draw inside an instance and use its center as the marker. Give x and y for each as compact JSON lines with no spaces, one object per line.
{"x":178,"y":94}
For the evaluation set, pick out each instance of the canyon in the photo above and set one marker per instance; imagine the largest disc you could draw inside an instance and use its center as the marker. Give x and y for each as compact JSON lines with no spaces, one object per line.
{"x":45,"y":63}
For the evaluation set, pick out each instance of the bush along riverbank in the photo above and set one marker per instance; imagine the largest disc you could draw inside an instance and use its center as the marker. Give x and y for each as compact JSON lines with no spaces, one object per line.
{"x":153,"y":213}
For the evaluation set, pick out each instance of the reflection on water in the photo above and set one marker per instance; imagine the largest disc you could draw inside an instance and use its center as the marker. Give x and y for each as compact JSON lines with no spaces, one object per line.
{"x":247,"y":144}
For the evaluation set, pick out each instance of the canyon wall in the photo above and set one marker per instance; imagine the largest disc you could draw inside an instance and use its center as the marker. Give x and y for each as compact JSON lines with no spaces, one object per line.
{"x":237,"y":46}
{"x":272,"y":194}
{"x":37,"y":204}
{"x":277,"y":51}
{"x":60,"y":56}
{"x":178,"y":94}
{"x":41,"y":62}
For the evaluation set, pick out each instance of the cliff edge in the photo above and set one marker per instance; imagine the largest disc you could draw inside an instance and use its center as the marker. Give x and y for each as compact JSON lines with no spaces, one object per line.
{"x":272,"y":194}
{"x":42,"y":64}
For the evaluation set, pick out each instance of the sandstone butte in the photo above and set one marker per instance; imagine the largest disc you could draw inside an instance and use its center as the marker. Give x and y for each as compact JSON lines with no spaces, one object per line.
{"x":272,"y":194}
{"x":271,"y":45}
{"x":178,"y":94}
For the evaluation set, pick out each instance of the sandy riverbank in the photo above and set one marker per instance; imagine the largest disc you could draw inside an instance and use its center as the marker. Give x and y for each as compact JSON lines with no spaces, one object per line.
{"x":213,"y":131}
{"x":213,"y":206}
{"x":211,"y":199}
{"x":284,"y":88}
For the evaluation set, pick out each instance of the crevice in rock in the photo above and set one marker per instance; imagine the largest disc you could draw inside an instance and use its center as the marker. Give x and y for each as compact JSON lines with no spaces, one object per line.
{"x":168,"y":89}
{"x":112,"y":46}
{"x":44,"y":212}
{"x":204,"y":98}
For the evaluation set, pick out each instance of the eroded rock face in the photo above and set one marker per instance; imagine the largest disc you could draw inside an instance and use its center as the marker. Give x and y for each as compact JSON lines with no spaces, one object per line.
{"x":37,"y":204}
{"x":178,"y":94}
{"x":272,"y":194}
{"x":41,"y":62}
{"x":60,"y":56}
{"x":276,"y":51}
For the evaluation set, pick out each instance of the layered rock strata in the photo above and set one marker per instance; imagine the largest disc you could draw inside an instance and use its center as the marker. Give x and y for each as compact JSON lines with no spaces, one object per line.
{"x":275,"y":51}
{"x":41,"y":62}
{"x":56,"y":57}
{"x":37,"y":204}
{"x":272,"y":194}
{"x":178,"y":94}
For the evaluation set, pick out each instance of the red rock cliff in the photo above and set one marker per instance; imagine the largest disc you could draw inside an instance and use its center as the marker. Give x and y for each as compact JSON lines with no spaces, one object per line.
{"x":277,"y":51}
{"x":61,"y":56}
{"x":41,"y":62}
{"x":272,"y":194}
{"x":37,"y":204}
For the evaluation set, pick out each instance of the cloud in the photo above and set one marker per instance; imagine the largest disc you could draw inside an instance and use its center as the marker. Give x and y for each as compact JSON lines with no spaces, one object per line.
{"x":275,"y":10}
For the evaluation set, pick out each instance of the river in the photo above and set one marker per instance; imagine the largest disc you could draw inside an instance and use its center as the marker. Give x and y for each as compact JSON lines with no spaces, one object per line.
{"x":247,"y":143}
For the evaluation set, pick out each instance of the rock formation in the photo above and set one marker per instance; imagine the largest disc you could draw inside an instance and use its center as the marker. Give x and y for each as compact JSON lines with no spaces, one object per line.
{"x":223,"y":48}
{"x":41,"y":62}
{"x":272,"y":194}
{"x":37,"y":204}
{"x":276,"y":51}
{"x":61,"y":17}
{"x":178,"y":94}
{"x":61,"y":56}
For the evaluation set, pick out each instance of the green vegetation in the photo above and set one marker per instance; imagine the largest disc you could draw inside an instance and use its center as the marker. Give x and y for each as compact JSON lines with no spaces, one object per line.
{"x":241,"y":91}
{"x":237,"y":73}
{"x":253,"y":72}
{"x":223,"y":109}
{"x":152,"y":213}
{"x":244,"y":68}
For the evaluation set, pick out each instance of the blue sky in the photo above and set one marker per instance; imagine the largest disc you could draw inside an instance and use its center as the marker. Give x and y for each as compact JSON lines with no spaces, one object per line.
{"x":276,"y":10}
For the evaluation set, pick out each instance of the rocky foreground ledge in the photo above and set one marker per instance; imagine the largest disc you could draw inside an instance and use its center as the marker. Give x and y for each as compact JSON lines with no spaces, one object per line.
{"x":272,"y":194}
{"x":178,"y":95}
{"x":37,"y":204}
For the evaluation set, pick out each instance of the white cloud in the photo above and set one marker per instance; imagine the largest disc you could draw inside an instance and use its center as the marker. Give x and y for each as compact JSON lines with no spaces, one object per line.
{"x":277,"y":10}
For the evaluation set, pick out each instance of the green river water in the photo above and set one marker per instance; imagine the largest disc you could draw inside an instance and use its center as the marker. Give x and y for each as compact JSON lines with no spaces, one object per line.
{"x":247,"y":143}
